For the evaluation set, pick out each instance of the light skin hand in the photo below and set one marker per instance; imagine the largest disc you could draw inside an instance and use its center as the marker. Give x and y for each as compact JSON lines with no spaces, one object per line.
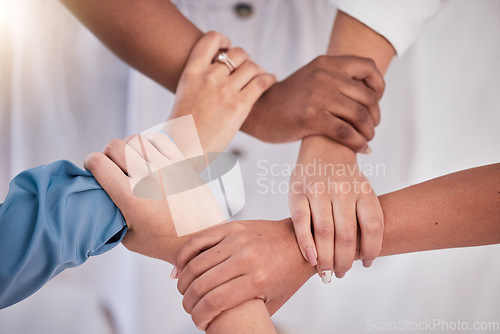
{"x":332,"y":96}
{"x":245,"y":253}
{"x":456,"y":210}
{"x":330,"y":193}
{"x":219,"y":101}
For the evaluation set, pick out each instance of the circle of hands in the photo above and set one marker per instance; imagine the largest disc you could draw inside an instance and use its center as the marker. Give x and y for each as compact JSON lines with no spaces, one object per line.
{"x":331,"y":104}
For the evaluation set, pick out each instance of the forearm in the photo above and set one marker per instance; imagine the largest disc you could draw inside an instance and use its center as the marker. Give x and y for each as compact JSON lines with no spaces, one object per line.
{"x":457,"y":210}
{"x":351,"y":37}
{"x":248,"y":318}
{"x":151,"y":36}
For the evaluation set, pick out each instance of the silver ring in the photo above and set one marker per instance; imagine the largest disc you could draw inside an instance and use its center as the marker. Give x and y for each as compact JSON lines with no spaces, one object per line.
{"x":224,"y":59}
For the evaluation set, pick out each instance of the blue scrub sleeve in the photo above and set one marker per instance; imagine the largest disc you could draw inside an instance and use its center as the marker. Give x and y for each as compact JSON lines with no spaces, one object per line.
{"x":54,"y":217}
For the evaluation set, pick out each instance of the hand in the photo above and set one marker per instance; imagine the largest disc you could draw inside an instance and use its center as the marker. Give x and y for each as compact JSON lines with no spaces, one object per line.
{"x":337,"y":196}
{"x":229,"y":264}
{"x":218,"y":100}
{"x":152,"y":230}
{"x":334,"y":96}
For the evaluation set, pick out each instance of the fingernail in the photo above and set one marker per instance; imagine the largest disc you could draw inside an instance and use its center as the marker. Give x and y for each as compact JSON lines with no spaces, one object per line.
{"x":367,"y":263}
{"x":311,"y":256}
{"x":326,"y":276}
{"x":175,"y":273}
{"x":367,"y":150}
{"x":339,"y":275}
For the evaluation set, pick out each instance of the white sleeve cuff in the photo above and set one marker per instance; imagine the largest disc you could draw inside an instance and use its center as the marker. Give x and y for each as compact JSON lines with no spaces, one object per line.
{"x":399,"y":21}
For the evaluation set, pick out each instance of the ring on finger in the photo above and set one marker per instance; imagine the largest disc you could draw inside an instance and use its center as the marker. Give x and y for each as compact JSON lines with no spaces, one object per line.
{"x":223,"y":58}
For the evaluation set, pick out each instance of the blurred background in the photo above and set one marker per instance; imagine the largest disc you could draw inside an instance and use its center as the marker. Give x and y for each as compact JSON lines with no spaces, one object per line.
{"x":64,"y":95}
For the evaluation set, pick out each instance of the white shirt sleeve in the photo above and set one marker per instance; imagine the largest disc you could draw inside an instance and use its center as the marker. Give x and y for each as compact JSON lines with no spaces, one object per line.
{"x":399,"y":21}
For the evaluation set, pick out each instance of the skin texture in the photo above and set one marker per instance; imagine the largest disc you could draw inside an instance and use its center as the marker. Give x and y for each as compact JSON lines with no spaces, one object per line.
{"x":457,"y":210}
{"x":333,"y":214}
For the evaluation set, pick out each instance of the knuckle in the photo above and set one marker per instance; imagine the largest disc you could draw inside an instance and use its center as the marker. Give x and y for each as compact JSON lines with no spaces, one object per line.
{"x":301,"y":218}
{"x":368,"y":61}
{"x":343,"y":131}
{"x":213,"y":34}
{"x":254,"y":67}
{"x":260,"y":279}
{"x":346,"y":236}
{"x":320,"y":75}
{"x":249,"y":256}
{"x":261,"y":82}
{"x":213,"y":301}
{"x":321,"y":60}
{"x":324,"y":229}
{"x":374,"y":226}
{"x":362,"y":114}
{"x":191,"y":73}
{"x":236,"y":227}
{"x":198,"y":288}
{"x":193,"y":265}
{"x":93,"y":160}
{"x":210,"y":80}
{"x":372,"y":96}
{"x":240,"y":52}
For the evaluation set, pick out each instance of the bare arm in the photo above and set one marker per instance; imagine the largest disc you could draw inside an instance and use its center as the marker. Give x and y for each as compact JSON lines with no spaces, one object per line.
{"x":151,"y":36}
{"x":351,"y":37}
{"x":457,"y":210}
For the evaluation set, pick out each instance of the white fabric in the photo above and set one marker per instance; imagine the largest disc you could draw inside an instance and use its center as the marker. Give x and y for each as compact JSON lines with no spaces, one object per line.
{"x":399,"y":21}
{"x":65,"y":96}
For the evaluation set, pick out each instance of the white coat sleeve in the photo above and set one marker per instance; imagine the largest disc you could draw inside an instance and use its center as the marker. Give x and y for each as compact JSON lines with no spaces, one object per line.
{"x":399,"y":21}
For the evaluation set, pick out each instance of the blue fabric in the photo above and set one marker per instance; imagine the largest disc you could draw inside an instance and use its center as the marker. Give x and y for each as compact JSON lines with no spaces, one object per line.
{"x":54,"y":217}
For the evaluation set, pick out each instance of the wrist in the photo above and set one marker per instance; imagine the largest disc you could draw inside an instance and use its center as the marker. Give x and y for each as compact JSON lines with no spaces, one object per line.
{"x":317,"y":147}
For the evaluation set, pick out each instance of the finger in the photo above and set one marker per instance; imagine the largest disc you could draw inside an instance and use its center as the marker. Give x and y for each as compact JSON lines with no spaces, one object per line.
{"x":345,"y":236}
{"x":245,"y":73}
{"x":222,"y":298}
{"x":206,"y":49}
{"x":371,"y":223}
{"x":301,"y":218}
{"x":115,"y":150}
{"x":163,"y":144}
{"x":237,"y":56}
{"x":146,"y":150}
{"x":209,"y":280}
{"x":200,"y":264}
{"x":137,"y":154}
{"x":111,"y":178}
{"x":351,"y":111}
{"x":257,"y":86}
{"x":342,"y":132}
{"x":321,"y":209}
{"x":195,"y":246}
{"x":359,"y":92}
{"x":364,"y":69}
